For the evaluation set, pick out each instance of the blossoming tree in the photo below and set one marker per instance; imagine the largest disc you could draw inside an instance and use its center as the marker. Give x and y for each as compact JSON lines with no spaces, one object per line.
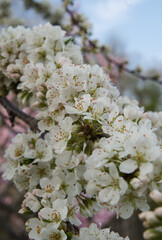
{"x":87,"y":148}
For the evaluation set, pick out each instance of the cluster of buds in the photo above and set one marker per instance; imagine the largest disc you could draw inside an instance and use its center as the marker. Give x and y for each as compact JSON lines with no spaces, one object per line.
{"x":152,"y":220}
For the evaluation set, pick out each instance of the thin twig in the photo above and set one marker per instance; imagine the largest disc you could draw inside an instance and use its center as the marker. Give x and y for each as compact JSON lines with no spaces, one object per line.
{"x":16,"y":112}
{"x":136,"y":74}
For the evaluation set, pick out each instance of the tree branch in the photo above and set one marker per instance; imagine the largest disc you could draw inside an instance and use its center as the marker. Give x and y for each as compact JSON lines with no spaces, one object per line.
{"x":134,"y":73}
{"x":16,"y":112}
{"x":40,"y":8}
{"x":120,"y":65}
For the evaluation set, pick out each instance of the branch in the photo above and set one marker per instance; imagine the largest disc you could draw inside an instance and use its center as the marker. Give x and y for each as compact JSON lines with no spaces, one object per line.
{"x":134,"y":73}
{"x":45,"y":11}
{"x":16,"y":112}
{"x":72,"y":228}
{"x":92,"y":45}
{"x":4,"y":123}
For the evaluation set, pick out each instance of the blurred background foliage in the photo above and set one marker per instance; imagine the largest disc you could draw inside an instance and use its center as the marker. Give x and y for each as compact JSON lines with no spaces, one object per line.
{"x":112,"y":57}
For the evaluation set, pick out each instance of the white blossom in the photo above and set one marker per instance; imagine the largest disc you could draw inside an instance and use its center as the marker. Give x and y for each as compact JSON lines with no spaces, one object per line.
{"x":32,"y":202}
{"x":94,"y":233}
{"x":117,"y":186}
{"x":56,"y":214}
{"x":61,"y":134}
{"x":35,"y":228}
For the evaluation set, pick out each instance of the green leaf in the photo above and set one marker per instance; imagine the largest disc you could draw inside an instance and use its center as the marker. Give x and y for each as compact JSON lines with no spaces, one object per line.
{"x":69,"y":235}
{"x":89,"y":148}
{"x":27,"y":161}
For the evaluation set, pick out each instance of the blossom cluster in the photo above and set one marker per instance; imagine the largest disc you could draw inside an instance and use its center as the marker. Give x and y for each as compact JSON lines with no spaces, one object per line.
{"x":47,"y":231}
{"x":29,"y":159}
{"x":94,"y":233}
{"x":95,"y":148}
{"x":21,"y":48}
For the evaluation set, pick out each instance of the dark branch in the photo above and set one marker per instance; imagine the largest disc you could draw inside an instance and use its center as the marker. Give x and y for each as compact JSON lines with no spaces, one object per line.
{"x":16,"y":112}
{"x":72,"y":228}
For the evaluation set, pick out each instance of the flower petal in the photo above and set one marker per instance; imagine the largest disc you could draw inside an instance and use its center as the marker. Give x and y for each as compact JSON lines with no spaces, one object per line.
{"x":128,"y":166}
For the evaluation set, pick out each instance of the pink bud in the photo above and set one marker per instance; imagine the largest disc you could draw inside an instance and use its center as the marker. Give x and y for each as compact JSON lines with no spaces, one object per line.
{"x":15,"y":75}
{"x":39,"y":88}
{"x":35,"y":191}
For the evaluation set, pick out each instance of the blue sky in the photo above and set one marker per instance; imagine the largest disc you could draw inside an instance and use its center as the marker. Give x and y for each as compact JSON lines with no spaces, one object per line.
{"x":138,"y":23}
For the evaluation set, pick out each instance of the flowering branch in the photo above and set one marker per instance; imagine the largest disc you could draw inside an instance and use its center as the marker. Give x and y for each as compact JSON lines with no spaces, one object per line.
{"x":97,"y":148}
{"x":14,"y":111}
{"x":83,"y":31}
{"x":120,"y":65}
{"x":135,"y":73}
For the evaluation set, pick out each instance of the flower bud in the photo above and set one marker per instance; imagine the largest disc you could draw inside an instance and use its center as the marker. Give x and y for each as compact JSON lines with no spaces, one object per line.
{"x":156,"y":196}
{"x":149,"y":218}
{"x":39,"y":94}
{"x":39,"y":88}
{"x":149,"y":234}
{"x":158,"y":212}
